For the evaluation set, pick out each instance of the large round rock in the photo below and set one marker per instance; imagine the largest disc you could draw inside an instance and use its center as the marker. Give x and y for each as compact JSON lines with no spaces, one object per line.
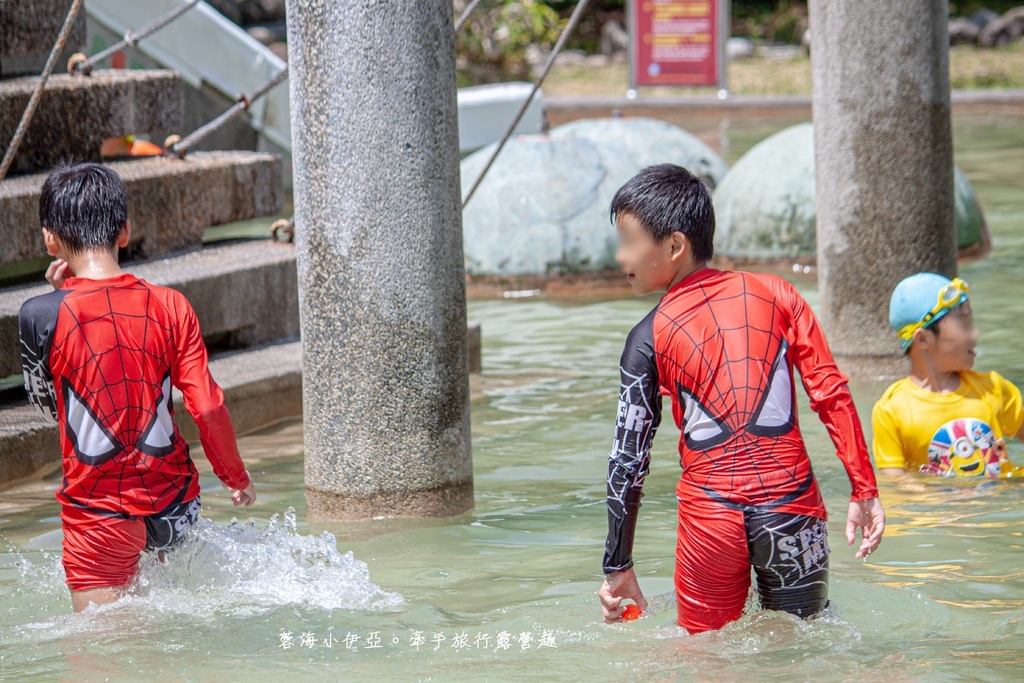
{"x":764,"y":207}
{"x":543,"y":206}
{"x":647,"y":142}
{"x":535,"y":210}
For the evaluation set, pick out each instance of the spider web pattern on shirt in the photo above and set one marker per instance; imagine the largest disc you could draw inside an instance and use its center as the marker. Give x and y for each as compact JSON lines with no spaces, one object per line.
{"x":721,"y":353}
{"x":631,"y":450}
{"x":112,"y":349}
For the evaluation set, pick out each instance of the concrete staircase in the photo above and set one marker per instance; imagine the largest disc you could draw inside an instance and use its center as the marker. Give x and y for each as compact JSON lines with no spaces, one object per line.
{"x":244,"y":292}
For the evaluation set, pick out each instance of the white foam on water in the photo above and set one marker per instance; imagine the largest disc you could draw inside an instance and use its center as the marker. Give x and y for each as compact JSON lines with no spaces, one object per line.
{"x":242,"y":564}
{"x":239,"y":568}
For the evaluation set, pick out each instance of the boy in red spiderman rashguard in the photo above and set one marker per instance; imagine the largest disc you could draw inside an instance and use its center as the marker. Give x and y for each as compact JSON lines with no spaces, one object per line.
{"x":100,"y":355}
{"x":724,"y":345}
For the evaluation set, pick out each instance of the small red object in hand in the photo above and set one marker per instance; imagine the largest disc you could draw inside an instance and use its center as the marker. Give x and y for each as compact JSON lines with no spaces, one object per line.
{"x":631,"y":613}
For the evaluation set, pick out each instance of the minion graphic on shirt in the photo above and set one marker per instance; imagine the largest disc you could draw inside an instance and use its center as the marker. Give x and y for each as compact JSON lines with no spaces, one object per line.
{"x":966,"y":447}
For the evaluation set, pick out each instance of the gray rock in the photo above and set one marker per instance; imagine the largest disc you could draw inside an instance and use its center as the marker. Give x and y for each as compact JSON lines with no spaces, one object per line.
{"x":543,"y":207}
{"x":983,"y":18}
{"x":570,"y":58}
{"x":614,"y":38}
{"x":262,"y":34}
{"x":780,"y":53}
{"x":963,"y":31}
{"x":738,"y":48}
{"x":971,"y":227}
{"x":1005,"y":30}
{"x":647,"y":142}
{"x":765,"y":205}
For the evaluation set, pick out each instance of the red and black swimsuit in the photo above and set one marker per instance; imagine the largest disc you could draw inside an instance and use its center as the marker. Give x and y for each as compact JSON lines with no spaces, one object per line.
{"x":723,"y":345}
{"x":100,"y":358}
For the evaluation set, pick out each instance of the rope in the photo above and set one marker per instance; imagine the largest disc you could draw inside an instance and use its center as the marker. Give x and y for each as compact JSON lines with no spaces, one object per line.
{"x":84,"y":67}
{"x":574,"y":19}
{"x":33,"y":102}
{"x":242,"y":104}
{"x":465,"y":14}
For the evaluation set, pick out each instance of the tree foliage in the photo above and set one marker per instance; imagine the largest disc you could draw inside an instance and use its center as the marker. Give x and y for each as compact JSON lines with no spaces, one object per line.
{"x":502,"y":40}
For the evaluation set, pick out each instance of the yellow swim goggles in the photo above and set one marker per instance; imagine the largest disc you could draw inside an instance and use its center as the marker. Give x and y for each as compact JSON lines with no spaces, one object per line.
{"x":949,"y":298}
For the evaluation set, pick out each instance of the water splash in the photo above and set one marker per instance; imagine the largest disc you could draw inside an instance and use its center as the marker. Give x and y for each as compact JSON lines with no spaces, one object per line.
{"x":244,"y":564}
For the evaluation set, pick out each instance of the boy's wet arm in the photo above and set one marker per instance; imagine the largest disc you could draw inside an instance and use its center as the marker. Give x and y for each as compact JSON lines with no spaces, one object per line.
{"x":637,"y":420}
{"x":204,"y":399}
{"x":36,"y":322}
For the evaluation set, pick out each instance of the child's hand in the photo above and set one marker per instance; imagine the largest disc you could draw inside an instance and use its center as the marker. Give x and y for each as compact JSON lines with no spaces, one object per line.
{"x":57,"y":272}
{"x":616,"y":588}
{"x":868,"y":516}
{"x":246,"y":496}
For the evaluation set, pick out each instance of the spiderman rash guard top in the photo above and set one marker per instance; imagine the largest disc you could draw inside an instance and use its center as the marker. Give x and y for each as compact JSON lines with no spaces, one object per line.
{"x":724,"y":345}
{"x":100,"y":358}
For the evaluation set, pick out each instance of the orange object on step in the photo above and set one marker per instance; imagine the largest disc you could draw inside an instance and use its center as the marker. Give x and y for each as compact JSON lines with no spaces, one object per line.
{"x":631,"y":613}
{"x":144,"y":148}
{"x":129,"y":146}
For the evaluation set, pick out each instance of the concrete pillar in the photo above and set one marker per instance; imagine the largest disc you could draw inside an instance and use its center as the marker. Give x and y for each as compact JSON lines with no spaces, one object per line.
{"x":884,"y":165}
{"x":378,"y":219}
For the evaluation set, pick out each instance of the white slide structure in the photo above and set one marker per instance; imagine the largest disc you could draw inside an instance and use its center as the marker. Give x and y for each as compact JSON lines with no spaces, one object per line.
{"x":208,"y":50}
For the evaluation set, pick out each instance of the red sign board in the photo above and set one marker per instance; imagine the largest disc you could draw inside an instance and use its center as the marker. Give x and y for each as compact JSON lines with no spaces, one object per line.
{"x":677,"y":42}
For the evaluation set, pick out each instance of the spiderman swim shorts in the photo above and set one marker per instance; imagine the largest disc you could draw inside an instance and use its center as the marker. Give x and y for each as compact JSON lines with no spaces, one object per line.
{"x":103,"y":551}
{"x":716,"y":547}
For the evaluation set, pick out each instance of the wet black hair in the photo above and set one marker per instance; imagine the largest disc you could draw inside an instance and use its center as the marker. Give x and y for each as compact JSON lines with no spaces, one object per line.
{"x":667,"y":199}
{"x":85,"y":205}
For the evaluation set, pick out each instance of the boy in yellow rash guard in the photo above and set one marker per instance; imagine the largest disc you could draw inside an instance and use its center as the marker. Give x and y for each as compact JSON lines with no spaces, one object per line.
{"x":943,"y":418}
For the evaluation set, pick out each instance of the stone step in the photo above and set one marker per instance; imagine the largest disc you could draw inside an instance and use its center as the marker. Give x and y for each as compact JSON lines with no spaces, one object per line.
{"x":28,"y":30}
{"x":29,"y":445}
{"x":244,"y":294}
{"x":170,"y":201}
{"x":76,"y":113}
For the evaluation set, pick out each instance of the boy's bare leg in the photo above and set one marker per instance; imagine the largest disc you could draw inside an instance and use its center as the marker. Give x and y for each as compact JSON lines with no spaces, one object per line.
{"x":101,"y":596}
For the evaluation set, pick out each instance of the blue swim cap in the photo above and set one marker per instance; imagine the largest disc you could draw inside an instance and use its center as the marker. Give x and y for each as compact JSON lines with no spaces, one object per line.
{"x":914,"y":298}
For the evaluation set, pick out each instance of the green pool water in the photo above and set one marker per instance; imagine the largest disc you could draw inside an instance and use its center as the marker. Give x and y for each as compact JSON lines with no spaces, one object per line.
{"x":942,"y":599}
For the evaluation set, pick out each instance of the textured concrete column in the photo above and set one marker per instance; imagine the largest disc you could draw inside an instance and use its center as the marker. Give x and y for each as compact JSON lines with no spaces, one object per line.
{"x":884,"y":164}
{"x":379,"y":245}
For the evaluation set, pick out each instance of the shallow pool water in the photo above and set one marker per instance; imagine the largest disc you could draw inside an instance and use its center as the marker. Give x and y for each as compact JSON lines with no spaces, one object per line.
{"x":506,"y":592}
